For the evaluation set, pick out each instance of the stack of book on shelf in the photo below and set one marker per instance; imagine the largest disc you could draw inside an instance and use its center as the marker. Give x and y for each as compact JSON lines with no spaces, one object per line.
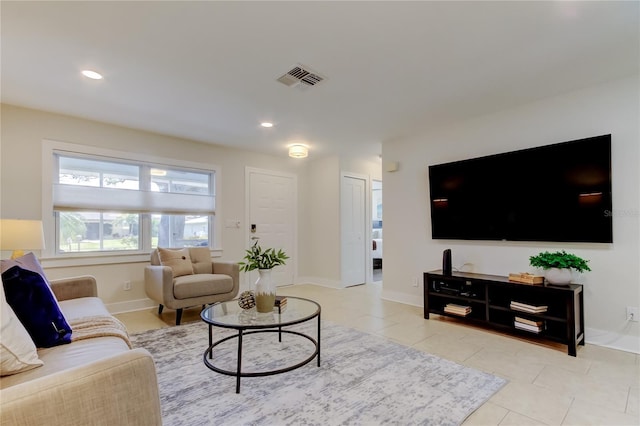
{"x":452,"y":308}
{"x":528,"y":325}
{"x":281,"y":303}
{"x":526,"y":278}
{"x":523,"y":307}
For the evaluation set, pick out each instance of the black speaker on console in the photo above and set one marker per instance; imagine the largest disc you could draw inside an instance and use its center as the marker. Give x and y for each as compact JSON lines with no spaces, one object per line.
{"x":446,"y":262}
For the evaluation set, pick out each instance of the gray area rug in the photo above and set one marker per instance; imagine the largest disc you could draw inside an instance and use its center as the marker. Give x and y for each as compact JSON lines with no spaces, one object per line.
{"x":363,"y":379}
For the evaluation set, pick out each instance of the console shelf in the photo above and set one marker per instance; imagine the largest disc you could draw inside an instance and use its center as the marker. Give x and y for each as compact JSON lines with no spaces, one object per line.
{"x":490,"y":299}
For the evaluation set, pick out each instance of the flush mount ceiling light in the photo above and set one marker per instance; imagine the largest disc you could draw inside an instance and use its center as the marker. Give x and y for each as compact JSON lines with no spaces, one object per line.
{"x":298,"y":151}
{"x":266,"y":124}
{"x":92,"y":74}
{"x":158,"y":172}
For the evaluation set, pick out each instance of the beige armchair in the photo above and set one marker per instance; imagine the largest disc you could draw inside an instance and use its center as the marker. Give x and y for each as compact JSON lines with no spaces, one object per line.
{"x":211,"y":281}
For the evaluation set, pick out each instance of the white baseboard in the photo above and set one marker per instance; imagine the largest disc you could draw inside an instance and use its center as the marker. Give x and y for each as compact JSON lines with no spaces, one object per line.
{"x":323,"y":282}
{"x":131,"y":305}
{"x":613,"y":340}
{"x":407,"y":299}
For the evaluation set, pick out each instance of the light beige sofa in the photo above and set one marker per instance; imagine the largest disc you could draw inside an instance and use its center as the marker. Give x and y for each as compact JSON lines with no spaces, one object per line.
{"x":93,"y":381}
{"x":206,"y":281}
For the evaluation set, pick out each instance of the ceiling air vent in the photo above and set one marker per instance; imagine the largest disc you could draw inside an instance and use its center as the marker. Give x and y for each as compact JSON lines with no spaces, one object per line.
{"x":300,"y":75}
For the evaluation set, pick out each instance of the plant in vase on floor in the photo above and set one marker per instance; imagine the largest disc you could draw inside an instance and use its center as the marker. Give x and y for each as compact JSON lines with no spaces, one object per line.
{"x":263,"y":261}
{"x":558,"y":265}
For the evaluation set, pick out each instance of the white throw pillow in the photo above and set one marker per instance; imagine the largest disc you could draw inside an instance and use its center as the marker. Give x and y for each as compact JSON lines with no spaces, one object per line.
{"x":17,"y":351}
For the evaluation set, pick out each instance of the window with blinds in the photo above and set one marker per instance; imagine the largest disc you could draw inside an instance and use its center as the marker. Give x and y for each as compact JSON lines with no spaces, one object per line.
{"x":105,"y":204}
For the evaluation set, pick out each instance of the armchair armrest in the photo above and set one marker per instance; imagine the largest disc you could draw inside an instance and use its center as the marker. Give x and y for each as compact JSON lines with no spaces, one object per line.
{"x":122,"y":389}
{"x":158,"y":284}
{"x":76,"y":287}
{"x":228,"y":268}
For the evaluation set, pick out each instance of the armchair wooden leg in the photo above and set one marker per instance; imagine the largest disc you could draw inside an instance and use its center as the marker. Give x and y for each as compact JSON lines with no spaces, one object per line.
{"x":178,"y":316}
{"x":160,"y":307}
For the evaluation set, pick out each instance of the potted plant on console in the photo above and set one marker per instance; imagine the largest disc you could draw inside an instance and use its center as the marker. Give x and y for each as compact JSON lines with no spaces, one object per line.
{"x":558,"y":266}
{"x":263,"y":261}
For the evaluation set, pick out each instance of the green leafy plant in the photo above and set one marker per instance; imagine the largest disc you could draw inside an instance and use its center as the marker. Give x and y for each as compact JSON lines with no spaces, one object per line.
{"x":559,"y":259}
{"x":257,"y":258}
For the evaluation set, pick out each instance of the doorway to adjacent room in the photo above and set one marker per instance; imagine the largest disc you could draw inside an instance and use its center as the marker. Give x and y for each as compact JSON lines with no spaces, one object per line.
{"x":376,"y":232}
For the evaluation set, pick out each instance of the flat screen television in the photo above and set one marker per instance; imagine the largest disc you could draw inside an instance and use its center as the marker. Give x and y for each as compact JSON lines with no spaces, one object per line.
{"x":559,"y":192}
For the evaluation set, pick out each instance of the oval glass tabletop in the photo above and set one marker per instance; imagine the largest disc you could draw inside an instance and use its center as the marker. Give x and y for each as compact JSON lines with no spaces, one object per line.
{"x":231,"y":315}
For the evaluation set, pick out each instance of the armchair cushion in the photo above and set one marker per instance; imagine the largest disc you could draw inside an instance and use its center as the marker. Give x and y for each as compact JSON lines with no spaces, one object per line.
{"x":32,"y":300}
{"x":178,"y":260}
{"x":197,"y":285}
{"x":201,"y":259}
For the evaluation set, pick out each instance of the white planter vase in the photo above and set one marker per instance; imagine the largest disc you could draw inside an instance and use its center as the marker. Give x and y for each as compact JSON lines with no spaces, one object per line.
{"x":558,"y":276}
{"x":265,"y":293}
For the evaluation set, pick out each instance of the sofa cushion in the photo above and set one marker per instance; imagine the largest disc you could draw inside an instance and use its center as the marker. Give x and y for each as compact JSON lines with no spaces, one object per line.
{"x":83,"y":307}
{"x":37,"y":308}
{"x":58,"y":358}
{"x":17,"y":351}
{"x":178,"y":260}
{"x":197,"y":285}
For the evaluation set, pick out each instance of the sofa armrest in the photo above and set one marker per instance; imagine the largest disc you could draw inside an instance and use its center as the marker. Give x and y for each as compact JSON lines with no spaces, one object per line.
{"x":119,"y":390}
{"x":158,"y":283}
{"x":76,"y":287}
{"x":228,"y":268}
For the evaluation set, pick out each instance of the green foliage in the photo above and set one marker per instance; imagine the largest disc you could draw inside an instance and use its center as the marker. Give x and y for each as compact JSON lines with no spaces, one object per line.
{"x":72,"y":225}
{"x":256,"y":258}
{"x":559,"y":259}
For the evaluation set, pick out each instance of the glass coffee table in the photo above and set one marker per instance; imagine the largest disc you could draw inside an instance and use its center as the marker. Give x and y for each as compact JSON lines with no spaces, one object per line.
{"x":247,"y":322}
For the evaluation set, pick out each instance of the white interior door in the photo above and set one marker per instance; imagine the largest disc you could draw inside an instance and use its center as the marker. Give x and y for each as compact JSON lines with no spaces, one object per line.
{"x":272,"y":218}
{"x":352,"y":221}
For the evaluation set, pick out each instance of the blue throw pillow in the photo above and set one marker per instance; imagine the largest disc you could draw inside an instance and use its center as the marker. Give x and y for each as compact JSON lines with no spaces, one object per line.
{"x":36,"y":307}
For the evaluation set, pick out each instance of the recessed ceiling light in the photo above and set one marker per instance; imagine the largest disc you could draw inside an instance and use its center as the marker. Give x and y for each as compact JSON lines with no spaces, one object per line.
{"x":92,"y":75}
{"x":266,"y":124}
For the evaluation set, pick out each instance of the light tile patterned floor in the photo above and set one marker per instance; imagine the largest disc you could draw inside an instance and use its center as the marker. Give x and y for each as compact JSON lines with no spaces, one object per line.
{"x":547,"y":387}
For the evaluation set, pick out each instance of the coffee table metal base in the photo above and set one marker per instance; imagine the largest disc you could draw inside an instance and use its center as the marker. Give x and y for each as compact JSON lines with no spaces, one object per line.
{"x":208,"y":354}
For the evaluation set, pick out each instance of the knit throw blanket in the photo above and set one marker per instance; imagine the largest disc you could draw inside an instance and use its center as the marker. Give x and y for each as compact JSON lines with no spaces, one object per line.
{"x":98,"y":326}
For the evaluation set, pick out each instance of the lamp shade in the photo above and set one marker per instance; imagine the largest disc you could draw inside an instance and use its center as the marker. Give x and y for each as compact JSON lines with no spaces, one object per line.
{"x":298,"y":151}
{"x":21,"y":235}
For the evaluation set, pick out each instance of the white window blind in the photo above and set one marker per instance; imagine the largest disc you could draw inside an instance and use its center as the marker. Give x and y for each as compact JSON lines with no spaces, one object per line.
{"x":80,"y":198}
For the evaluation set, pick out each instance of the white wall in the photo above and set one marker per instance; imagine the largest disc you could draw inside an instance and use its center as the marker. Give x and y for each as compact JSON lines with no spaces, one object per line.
{"x":21,"y":184}
{"x":318,"y":254}
{"x":614,"y":282}
{"x":323,"y":215}
{"x":324,"y":222}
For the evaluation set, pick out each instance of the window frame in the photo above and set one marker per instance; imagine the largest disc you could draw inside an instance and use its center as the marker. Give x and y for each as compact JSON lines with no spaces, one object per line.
{"x":50,"y":255}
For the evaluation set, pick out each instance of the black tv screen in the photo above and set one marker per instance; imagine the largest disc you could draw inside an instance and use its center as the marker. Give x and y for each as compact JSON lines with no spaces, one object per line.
{"x":559,"y":192}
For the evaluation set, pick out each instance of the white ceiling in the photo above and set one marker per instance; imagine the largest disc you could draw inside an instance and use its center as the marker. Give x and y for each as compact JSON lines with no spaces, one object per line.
{"x":207,"y":70}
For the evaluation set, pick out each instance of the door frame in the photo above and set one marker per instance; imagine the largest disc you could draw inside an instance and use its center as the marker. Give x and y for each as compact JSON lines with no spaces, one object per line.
{"x":293,"y":257}
{"x":368,"y":267}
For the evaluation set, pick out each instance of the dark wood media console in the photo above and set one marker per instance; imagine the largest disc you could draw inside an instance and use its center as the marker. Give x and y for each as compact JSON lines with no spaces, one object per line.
{"x":543,"y":311}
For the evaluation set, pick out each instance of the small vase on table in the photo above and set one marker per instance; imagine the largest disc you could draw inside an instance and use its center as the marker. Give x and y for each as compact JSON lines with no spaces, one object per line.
{"x":265,"y":293}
